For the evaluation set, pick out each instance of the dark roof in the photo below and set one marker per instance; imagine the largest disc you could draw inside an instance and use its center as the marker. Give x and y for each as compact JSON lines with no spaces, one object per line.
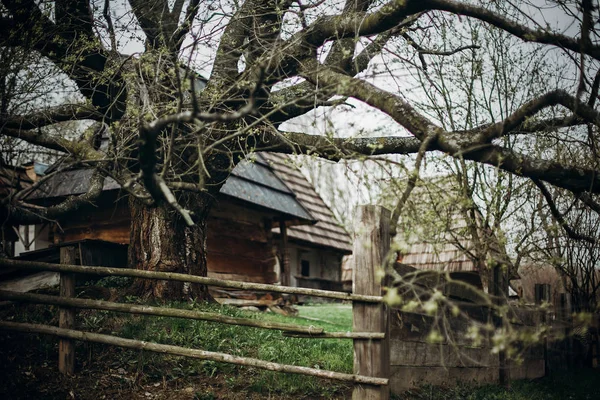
{"x":255,"y":182}
{"x":327,"y":231}
{"x":69,"y":183}
{"x":252,"y":182}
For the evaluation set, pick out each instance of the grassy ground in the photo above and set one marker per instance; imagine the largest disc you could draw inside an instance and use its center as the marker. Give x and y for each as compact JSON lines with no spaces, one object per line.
{"x":28,"y":368}
{"x":335,"y":355}
{"x":205,"y":379}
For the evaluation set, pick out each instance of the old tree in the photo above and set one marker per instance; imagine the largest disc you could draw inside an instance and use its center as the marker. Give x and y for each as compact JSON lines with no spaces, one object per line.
{"x":172,"y":146}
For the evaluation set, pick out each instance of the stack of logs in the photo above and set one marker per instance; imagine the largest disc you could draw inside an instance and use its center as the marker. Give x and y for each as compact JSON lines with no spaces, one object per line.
{"x":256,"y":301}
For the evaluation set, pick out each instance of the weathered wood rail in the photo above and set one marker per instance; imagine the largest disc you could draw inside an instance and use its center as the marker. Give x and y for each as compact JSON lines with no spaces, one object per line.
{"x":134,"y":273}
{"x":370,"y":314}
{"x":183,"y":351}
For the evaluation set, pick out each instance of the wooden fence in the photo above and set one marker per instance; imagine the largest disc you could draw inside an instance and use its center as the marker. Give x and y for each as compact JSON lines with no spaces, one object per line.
{"x":370,"y":314}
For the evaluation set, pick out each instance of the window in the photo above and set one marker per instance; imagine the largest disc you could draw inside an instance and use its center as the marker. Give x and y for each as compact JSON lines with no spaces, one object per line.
{"x":304,"y":268}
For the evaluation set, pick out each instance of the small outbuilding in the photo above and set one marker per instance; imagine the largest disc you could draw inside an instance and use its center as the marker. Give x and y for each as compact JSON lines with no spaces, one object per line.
{"x":268,"y":224}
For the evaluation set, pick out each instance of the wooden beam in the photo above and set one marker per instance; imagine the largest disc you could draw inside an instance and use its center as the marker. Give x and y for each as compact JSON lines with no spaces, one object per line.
{"x":66,"y":316}
{"x":158,"y":311}
{"x":543,"y":296}
{"x":371,"y":246}
{"x":285,"y":255}
{"x":194,"y":353}
{"x":337,"y":335}
{"x":499,"y":288}
{"x":135,"y":273}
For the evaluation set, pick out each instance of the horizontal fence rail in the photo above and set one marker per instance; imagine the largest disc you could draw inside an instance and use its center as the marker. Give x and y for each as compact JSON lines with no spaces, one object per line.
{"x":289,"y":330}
{"x":193,"y":353}
{"x":337,"y":335}
{"x":135,"y":273}
{"x":370,"y":314}
{"x":157,"y":311}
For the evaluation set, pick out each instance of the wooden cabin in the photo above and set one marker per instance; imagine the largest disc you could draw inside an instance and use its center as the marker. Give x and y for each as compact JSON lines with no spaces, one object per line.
{"x":315,"y":250}
{"x":435,"y":235}
{"x":267,"y":216}
{"x":17,"y":239}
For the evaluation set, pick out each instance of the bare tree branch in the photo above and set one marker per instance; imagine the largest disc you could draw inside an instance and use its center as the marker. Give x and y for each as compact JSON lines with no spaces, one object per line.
{"x":190,"y":14}
{"x":412,"y":181}
{"x":40,"y":119}
{"x":518,"y":30}
{"x":559,"y":217}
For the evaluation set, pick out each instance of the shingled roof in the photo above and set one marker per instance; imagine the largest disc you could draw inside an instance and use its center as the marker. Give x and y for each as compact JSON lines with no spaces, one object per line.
{"x":327,"y":232}
{"x":441,"y":241}
{"x":256,"y":183}
{"x":252,"y":182}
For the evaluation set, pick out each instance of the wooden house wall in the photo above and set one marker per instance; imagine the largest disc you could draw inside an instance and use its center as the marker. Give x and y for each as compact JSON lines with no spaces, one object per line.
{"x":240,"y":244}
{"x":325,"y":264}
{"x":109,"y":222}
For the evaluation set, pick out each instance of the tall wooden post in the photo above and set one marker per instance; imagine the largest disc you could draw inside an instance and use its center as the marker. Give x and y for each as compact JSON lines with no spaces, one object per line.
{"x":543,"y":295}
{"x":285,"y":255}
{"x":500,"y":293}
{"x":371,"y":245}
{"x":66,"y":319}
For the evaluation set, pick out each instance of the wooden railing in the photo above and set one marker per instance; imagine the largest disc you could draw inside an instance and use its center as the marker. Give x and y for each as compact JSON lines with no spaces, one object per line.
{"x":370,"y":314}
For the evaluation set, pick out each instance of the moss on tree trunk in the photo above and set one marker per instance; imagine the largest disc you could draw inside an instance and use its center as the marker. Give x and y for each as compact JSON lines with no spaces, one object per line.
{"x":161,"y":241}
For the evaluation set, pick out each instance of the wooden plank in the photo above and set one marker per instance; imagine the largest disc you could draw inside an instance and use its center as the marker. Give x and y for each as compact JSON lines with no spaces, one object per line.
{"x":284,"y":254}
{"x":249,"y":303}
{"x":500,"y":292}
{"x":262,"y":279}
{"x":234,"y":246}
{"x":420,"y":354}
{"x":136,"y":273}
{"x":337,"y":335}
{"x":404,"y":378}
{"x":371,"y":245}
{"x":66,"y":317}
{"x":220,"y":227}
{"x":42,"y":280}
{"x":194,"y":353}
{"x":115,"y":233}
{"x":234,"y":264}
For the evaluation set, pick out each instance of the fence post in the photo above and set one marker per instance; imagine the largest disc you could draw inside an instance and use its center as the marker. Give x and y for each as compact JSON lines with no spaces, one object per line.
{"x":500,"y":292}
{"x":285,"y":255}
{"x":542,"y":296}
{"x":371,"y":245}
{"x":66,"y":319}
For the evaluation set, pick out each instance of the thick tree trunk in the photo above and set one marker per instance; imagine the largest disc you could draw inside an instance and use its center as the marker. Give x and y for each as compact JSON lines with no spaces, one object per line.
{"x":161,"y":241}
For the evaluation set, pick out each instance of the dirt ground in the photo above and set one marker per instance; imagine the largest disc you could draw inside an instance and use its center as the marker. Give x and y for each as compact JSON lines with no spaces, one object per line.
{"x":29,"y":370}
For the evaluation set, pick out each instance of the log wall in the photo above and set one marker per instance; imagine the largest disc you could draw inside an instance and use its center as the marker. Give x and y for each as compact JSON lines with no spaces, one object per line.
{"x":109,"y":222}
{"x":240,"y":245}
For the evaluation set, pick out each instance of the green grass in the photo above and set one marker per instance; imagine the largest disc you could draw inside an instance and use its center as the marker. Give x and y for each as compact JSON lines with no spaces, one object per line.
{"x":269,"y":345}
